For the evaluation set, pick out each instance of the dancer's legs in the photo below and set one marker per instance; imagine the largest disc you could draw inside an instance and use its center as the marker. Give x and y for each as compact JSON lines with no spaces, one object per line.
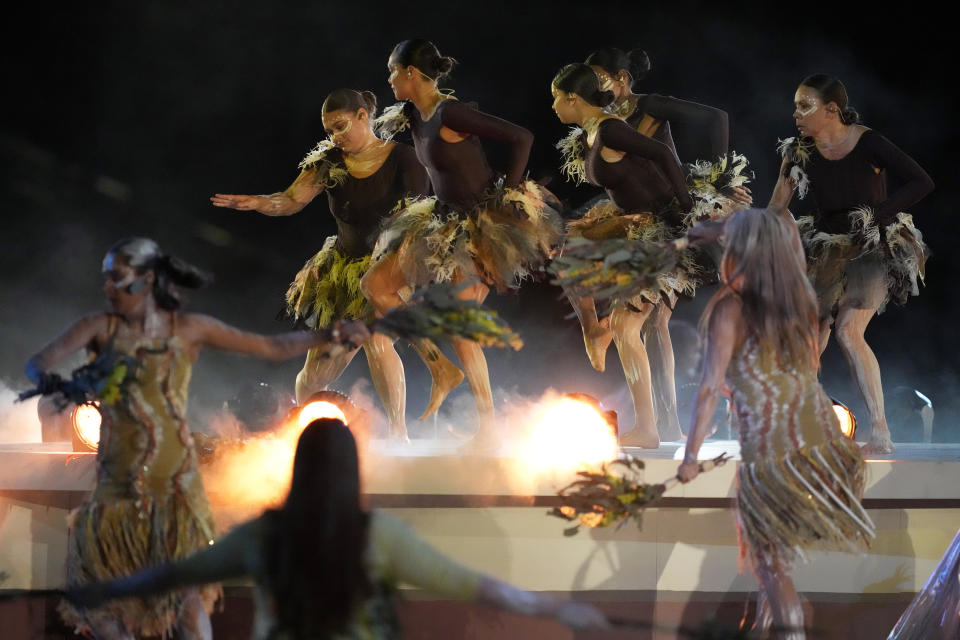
{"x":782,"y":600}
{"x":656,"y":336}
{"x":851,"y":325}
{"x":626,"y":326}
{"x":381,"y":285}
{"x":194,"y":622}
{"x":386,"y":369}
{"x":474,"y":364}
{"x":320,"y":369}
{"x":596,"y":335}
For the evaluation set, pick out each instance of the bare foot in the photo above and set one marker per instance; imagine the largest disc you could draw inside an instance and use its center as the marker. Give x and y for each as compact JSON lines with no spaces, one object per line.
{"x":399,"y":436}
{"x":597,"y":342}
{"x":670,"y":429}
{"x":638,"y":437}
{"x":446,"y":377}
{"x":879,"y":443}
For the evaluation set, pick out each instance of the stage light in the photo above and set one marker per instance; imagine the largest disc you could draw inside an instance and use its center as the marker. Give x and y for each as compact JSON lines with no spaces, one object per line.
{"x":848,"y":422}
{"x":86,"y":420}
{"x":316,"y":409}
{"x":571,"y":432}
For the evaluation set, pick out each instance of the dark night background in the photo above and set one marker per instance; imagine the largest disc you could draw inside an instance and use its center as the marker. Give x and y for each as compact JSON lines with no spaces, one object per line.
{"x":121,"y":118}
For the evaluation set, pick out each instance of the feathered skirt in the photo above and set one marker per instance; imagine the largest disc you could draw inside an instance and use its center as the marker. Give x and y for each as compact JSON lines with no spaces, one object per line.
{"x":327,"y":288}
{"x":505,"y":237}
{"x":605,"y":221}
{"x":111,"y":537}
{"x":866,"y":268}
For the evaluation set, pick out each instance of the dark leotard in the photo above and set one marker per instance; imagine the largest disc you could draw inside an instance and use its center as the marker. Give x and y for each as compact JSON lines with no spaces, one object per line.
{"x":647,"y":178}
{"x":459,"y":171}
{"x":666,"y":109}
{"x":860,"y":179}
{"x":359,"y":204}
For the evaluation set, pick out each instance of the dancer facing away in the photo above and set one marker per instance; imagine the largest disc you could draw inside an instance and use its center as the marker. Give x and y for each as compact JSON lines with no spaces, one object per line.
{"x":647,"y":197}
{"x":148,"y":506}
{"x":654,"y":115}
{"x":365,"y":179}
{"x":862,"y":250}
{"x":303,"y":590}
{"x":475,"y":230}
{"x":800,"y":480}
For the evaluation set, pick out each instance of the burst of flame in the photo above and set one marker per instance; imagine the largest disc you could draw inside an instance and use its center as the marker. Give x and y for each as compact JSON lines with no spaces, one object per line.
{"x":319,"y":409}
{"x":848,"y":423}
{"x":253,"y":474}
{"x":568,"y":435}
{"x":86,"y":422}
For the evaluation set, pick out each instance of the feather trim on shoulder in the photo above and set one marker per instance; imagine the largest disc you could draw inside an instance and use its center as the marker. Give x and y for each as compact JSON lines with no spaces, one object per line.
{"x":572,"y":148}
{"x":392,"y":121}
{"x":327,"y":159}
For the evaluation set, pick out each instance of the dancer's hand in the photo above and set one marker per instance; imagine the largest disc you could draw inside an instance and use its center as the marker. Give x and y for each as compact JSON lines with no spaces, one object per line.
{"x":742,"y":195}
{"x":580,"y":615}
{"x":687,"y":471}
{"x":238,"y":202}
{"x":352,"y":333}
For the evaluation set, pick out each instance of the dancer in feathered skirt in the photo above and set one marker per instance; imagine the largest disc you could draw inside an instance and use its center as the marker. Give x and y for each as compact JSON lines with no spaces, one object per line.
{"x":656,"y":116}
{"x":148,"y":506}
{"x":649,"y":200}
{"x":477,"y":228}
{"x":366,"y":179}
{"x":862,"y":248}
{"x":800,"y":479}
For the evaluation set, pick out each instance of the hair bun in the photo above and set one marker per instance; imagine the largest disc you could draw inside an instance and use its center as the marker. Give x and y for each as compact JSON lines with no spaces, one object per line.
{"x":639,"y":64}
{"x":849,"y":115}
{"x":444,"y":64}
{"x":604,"y":98}
{"x":370,"y":99}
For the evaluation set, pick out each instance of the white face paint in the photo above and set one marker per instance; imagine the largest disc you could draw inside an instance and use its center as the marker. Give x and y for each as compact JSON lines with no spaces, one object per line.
{"x":806,"y":102}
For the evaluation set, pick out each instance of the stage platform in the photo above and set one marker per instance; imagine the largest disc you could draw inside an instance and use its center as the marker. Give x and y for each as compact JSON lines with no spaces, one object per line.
{"x":489,"y":511}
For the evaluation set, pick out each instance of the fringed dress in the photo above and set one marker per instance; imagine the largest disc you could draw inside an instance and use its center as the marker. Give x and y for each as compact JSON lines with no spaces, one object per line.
{"x":328,"y":285}
{"x":649,"y":197}
{"x":148,"y":506}
{"x":477,"y":224}
{"x":800,"y":480}
{"x":862,"y":248}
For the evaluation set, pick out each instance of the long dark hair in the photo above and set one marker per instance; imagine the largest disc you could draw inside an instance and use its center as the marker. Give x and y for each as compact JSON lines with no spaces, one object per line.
{"x":315,"y":543}
{"x":831,"y":89}
{"x":612,"y":60}
{"x":423,"y":55}
{"x":170,"y":272}
{"x":580,"y":79}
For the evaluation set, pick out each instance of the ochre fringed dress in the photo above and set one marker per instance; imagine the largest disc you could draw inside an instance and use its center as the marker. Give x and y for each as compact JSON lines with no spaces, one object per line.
{"x":800,"y":480}
{"x":148,"y":506}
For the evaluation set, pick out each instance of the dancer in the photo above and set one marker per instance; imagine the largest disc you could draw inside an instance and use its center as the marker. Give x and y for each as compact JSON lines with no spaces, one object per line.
{"x":800,"y":479}
{"x":647,"y":198}
{"x":303,"y":590}
{"x":148,"y":506}
{"x":475,"y":229}
{"x":862,"y":249}
{"x":365,"y":179}
{"x":652,"y":115}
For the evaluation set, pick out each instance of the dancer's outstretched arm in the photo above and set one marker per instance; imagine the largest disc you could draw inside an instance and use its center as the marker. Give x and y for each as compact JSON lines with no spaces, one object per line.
{"x":284,"y":203}
{"x":205,"y":331}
